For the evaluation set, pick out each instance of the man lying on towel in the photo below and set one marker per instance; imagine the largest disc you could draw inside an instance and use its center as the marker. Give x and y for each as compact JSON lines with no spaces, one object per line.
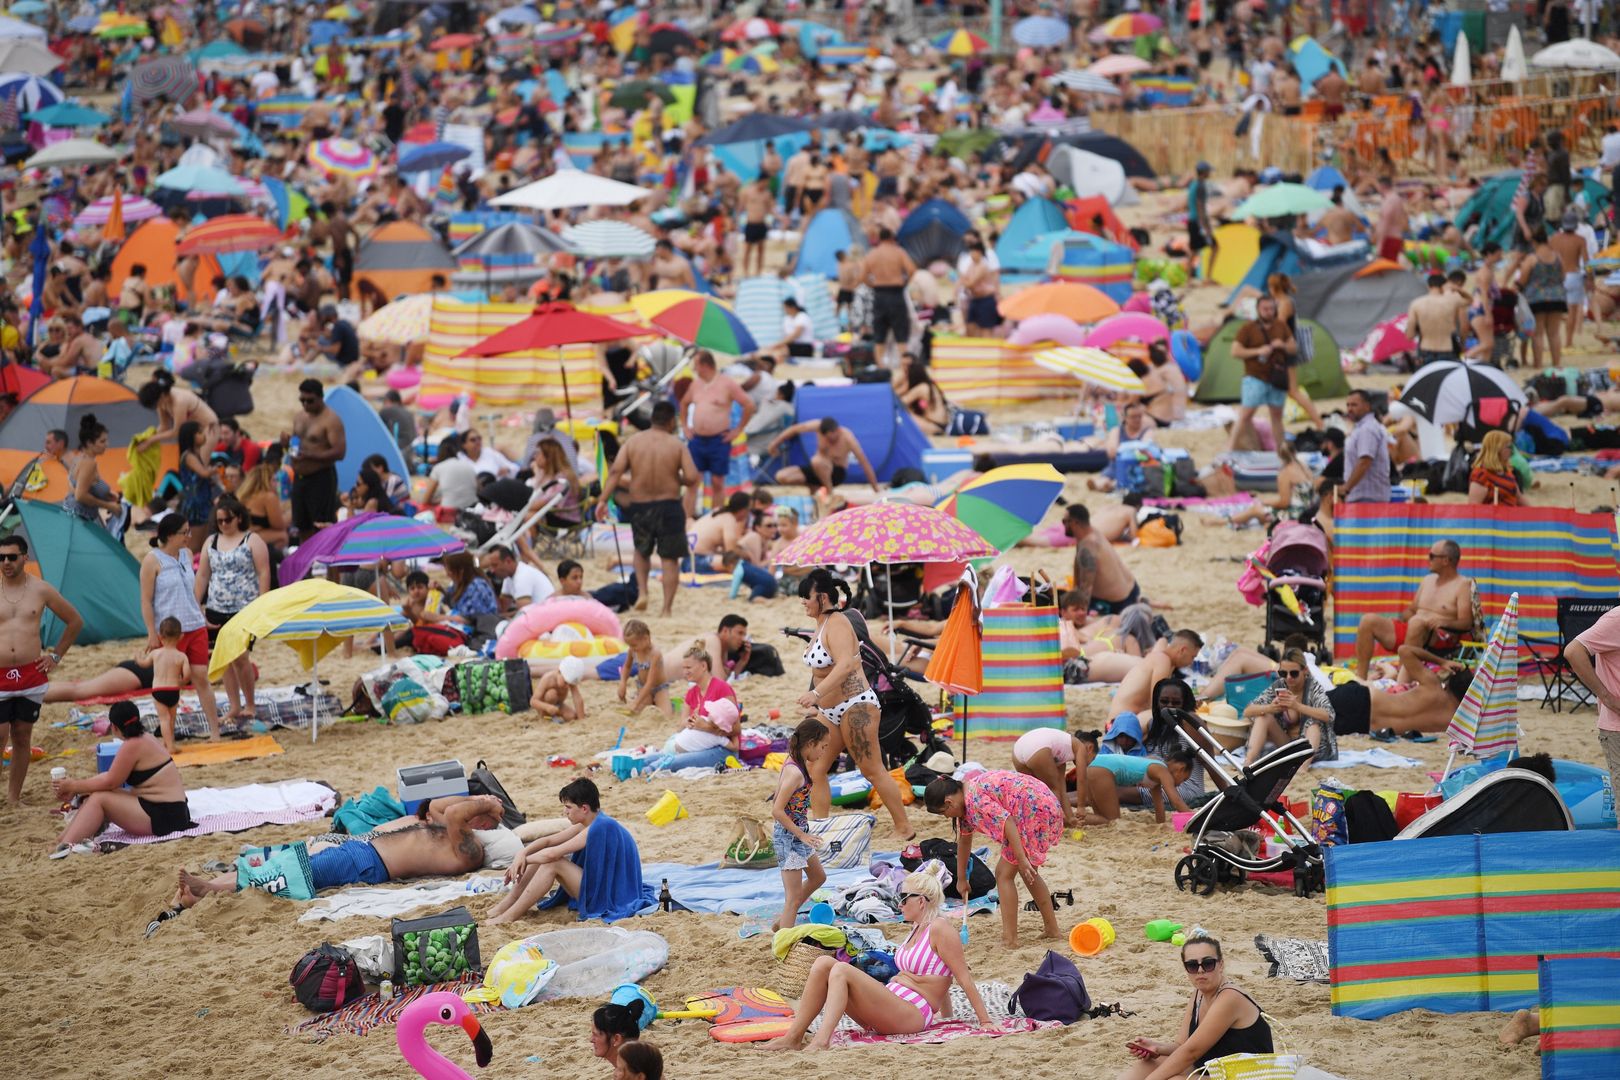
{"x":427,"y":849}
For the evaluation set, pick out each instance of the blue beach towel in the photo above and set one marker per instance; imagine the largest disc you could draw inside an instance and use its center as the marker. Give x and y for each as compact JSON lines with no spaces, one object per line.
{"x":611,"y":886}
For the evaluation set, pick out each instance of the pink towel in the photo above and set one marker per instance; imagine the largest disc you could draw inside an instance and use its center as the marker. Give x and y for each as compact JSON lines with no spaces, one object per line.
{"x":946,"y":1031}
{"x":238,"y":822}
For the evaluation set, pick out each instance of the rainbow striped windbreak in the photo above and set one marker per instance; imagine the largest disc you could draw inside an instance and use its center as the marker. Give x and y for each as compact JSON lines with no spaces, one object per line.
{"x":1458,"y":923}
{"x":529,"y":379}
{"x":1580,"y":1019}
{"x":1381,"y":554}
{"x":1023,"y":674}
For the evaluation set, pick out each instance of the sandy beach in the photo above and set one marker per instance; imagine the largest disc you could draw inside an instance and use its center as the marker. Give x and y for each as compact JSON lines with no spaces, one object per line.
{"x":208,"y":996}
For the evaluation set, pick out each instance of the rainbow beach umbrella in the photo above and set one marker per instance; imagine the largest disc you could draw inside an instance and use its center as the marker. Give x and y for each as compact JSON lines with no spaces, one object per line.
{"x":343,"y":157}
{"x":1126,"y":27}
{"x":1486,"y":722}
{"x":1005,"y":504}
{"x":229,"y":233}
{"x":960,"y":43}
{"x":706,"y":323}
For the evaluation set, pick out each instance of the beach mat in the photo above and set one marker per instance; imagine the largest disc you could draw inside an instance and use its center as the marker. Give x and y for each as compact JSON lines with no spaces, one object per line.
{"x":238,"y":809}
{"x":366,"y":1014}
{"x":737,"y":1003}
{"x":229,"y":750}
{"x":949,"y":1031}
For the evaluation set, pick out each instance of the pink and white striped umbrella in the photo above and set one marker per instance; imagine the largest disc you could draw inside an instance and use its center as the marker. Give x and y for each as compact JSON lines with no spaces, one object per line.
{"x":136,"y":208}
{"x":252,"y":190}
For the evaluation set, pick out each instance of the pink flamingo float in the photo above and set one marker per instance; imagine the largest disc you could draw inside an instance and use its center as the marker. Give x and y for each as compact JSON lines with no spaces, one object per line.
{"x":439,"y":1008}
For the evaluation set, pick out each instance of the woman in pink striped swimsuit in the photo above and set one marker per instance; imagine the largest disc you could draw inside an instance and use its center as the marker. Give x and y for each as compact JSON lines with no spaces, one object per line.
{"x":928,"y":961}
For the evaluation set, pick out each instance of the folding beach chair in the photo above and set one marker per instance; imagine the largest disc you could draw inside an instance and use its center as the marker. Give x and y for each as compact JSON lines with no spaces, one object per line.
{"x":1576,"y":614}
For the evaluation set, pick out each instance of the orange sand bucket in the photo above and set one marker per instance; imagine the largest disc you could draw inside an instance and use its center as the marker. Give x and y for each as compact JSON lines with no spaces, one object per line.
{"x":1091,"y":937}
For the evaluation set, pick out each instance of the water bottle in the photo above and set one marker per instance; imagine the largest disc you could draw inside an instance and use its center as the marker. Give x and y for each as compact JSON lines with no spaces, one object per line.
{"x":292,"y":447}
{"x":385,"y":990}
{"x":666,"y":902}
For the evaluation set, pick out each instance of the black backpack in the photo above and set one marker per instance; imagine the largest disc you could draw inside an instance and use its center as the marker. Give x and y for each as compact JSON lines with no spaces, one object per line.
{"x":326,"y":978}
{"x":1369,"y":818}
{"x":483,"y":782}
{"x":981,"y":879}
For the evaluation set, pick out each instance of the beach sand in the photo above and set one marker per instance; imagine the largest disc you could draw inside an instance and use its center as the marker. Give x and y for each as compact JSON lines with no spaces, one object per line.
{"x":208,"y":997}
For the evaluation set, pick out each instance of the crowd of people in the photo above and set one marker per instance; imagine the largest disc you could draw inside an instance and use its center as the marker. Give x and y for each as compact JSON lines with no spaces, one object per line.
{"x":215,"y":526}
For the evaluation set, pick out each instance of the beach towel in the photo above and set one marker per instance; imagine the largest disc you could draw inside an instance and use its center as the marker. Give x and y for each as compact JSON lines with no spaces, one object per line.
{"x":138,"y":484}
{"x":366,"y":1014}
{"x":997,"y":997}
{"x":1376,"y":758}
{"x":365,"y":812}
{"x":238,"y":809}
{"x":710,"y":890}
{"x":611,"y":886}
{"x":1294,"y":958}
{"x":212,"y":753}
{"x":386,"y":901}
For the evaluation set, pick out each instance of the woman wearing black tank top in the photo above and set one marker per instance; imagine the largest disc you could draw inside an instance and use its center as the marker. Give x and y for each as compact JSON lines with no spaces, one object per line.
{"x":1219,"y":1020}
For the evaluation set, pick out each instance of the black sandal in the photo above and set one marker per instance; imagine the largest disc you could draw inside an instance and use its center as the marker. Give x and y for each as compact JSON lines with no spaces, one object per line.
{"x":163,"y":916}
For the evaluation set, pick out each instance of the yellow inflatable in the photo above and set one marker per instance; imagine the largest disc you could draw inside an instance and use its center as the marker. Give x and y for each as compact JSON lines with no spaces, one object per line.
{"x":571,"y":639}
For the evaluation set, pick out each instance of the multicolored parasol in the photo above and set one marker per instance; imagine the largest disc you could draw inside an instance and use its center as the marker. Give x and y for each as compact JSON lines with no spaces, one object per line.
{"x":229,"y":233}
{"x":1127,"y":27}
{"x":706,"y":323}
{"x":343,"y":157}
{"x":1486,"y":722}
{"x":166,"y":78}
{"x":884,"y":533}
{"x":960,"y":43}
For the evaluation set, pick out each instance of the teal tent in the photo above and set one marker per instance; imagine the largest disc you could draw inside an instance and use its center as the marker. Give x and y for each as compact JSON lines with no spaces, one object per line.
{"x":832,"y":230}
{"x":105,"y":585}
{"x":1222,"y":378}
{"x":1491,"y":208}
{"x":1030,"y":221}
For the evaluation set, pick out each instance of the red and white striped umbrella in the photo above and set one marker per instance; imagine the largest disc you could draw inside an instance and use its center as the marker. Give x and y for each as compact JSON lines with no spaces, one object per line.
{"x":136,"y":208}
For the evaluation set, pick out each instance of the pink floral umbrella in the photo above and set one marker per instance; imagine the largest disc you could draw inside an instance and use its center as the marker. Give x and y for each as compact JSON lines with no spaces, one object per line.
{"x":885,"y":533}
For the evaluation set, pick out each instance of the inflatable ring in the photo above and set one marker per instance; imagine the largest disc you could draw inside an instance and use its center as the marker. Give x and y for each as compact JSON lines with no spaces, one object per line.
{"x":570,"y":639}
{"x":403,"y":378}
{"x":536,"y":620}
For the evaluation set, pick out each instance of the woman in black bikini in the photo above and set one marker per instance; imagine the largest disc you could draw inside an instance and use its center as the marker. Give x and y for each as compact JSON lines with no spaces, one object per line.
{"x":155,"y":805}
{"x":1220,"y":1020}
{"x":128,"y":677}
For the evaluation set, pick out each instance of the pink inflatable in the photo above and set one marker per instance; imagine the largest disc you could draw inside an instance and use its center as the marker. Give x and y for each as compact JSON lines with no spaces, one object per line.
{"x":542,"y":618}
{"x":1059,"y":329}
{"x":1139,"y":302}
{"x":403,"y":378}
{"x":1127,"y":326}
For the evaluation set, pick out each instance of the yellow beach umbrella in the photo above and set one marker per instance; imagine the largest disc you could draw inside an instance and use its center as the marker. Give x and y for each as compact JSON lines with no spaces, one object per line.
{"x":651,"y":304}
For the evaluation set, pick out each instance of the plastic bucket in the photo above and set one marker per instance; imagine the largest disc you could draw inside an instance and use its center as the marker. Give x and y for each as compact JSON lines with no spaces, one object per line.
{"x":1091,"y":937}
{"x":667,"y":809}
{"x":822,"y":913}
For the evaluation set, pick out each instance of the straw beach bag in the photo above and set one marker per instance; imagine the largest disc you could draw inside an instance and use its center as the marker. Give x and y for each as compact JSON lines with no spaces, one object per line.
{"x":795,"y":968}
{"x":1252,"y":1067}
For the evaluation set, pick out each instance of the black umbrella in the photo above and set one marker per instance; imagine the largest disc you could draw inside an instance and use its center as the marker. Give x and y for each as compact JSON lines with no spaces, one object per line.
{"x":666,"y":39}
{"x":845,"y":121}
{"x":510,"y":252}
{"x":754,"y":127}
{"x":1442,"y":391}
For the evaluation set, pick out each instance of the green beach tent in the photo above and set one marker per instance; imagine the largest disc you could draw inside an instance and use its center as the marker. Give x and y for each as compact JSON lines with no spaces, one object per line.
{"x":1222,"y":380}
{"x":105,"y":585}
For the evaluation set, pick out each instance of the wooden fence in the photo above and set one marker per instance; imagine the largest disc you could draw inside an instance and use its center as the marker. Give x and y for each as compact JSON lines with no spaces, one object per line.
{"x":1486,"y":131}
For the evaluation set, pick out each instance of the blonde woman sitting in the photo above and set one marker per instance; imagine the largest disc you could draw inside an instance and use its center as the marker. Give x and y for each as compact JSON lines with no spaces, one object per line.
{"x":929,"y":961}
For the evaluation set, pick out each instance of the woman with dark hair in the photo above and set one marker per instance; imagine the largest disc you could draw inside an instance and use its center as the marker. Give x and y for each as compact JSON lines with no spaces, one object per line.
{"x":234,"y":572}
{"x":174,"y":406}
{"x":1219,"y":1020}
{"x":370,"y":494}
{"x":1020,"y":813}
{"x":1166,"y":400}
{"x":917,"y":391}
{"x":1293,"y":706}
{"x":612,"y":1026}
{"x":169,"y":588}
{"x":843,"y":701}
{"x":88,"y":492}
{"x":470,"y":594}
{"x":196,"y":480}
{"x":154,"y":805}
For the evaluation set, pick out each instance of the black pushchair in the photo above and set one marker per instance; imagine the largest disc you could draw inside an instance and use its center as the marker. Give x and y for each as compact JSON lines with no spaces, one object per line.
{"x":904,"y":720}
{"x":1252,"y":798}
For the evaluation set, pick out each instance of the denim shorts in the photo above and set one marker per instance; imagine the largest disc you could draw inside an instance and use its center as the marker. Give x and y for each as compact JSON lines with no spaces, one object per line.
{"x":1257,"y":393}
{"x":791,"y":852}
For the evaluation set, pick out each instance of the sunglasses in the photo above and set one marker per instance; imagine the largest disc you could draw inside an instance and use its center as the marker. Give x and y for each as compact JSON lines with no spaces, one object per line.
{"x":1204,"y":964}
{"x":903,"y":897}
{"x":14,"y":557}
{"x":1296,"y":673}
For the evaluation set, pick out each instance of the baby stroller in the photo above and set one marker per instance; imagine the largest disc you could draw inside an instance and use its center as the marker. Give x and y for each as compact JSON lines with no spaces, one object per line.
{"x":1251,"y":798}
{"x":1293,"y":568}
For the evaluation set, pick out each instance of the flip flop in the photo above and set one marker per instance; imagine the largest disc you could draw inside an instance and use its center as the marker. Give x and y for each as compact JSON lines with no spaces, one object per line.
{"x":1383,"y":735}
{"x":163,"y":916}
{"x":1413,"y":736}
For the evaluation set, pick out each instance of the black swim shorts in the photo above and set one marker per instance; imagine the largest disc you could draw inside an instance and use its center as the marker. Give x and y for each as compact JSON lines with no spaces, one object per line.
{"x":658,"y":526}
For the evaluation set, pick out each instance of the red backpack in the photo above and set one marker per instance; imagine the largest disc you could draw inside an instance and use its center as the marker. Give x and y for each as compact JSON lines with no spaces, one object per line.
{"x":326,"y":978}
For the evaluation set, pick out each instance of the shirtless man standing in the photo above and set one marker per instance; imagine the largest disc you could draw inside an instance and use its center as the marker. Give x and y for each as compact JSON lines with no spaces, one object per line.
{"x":1101,"y":578}
{"x":663,"y":491}
{"x":1435,"y":322}
{"x":1135,"y":693}
{"x":668,"y":270}
{"x":336,"y":228}
{"x":23,"y":667}
{"x":1571,"y":248}
{"x":706,"y":416}
{"x":1389,"y":237}
{"x":428,"y":849}
{"x":321,"y":445}
{"x":754,"y":207}
{"x":1436,"y":619}
{"x":830,"y":463}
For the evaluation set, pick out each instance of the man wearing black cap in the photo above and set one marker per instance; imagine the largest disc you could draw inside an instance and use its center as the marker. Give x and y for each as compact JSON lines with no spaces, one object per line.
{"x":1200,"y":233}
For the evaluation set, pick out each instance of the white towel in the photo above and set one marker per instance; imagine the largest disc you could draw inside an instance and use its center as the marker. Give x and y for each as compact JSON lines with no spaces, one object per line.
{"x":1377,"y":758}
{"x":258,"y":798}
{"x":384,"y":901}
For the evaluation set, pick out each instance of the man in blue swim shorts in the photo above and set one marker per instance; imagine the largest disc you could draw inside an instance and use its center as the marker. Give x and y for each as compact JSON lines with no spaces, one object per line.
{"x":706,"y":419}
{"x":428,"y":849}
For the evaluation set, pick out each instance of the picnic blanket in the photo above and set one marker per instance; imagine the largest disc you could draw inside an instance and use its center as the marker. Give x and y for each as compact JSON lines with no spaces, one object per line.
{"x":710,"y":890}
{"x":276,"y":706}
{"x":386,"y":901}
{"x":1376,"y":758}
{"x":241,"y":808}
{"x":370,"y":1012}
{"x":216,"y":753}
